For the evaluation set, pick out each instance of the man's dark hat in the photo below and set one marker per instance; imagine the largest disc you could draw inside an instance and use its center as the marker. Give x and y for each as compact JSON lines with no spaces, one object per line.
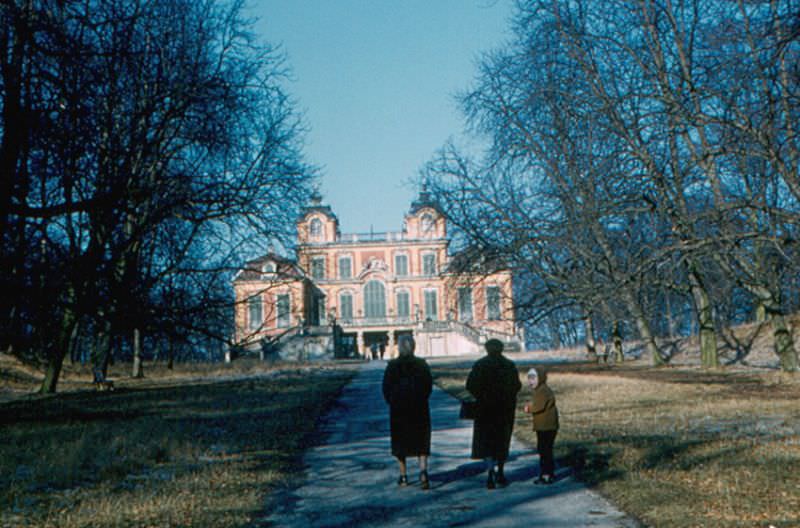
{"x":494,"y":346}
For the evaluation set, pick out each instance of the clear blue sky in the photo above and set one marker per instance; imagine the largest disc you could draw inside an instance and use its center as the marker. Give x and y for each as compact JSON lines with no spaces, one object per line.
{"x":376,"y":81}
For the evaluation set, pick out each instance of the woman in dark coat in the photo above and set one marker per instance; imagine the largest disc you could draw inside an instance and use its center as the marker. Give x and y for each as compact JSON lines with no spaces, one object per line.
{"x":494,"y":382}
{"x":407,"y":385}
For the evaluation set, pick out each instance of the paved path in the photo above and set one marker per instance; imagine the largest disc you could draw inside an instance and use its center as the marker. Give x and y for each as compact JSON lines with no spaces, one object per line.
{"x":351,"y":479}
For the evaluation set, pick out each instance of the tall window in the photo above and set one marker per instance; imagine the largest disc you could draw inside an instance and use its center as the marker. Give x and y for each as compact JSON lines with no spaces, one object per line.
{"x":374,"y":300}
{"x":465,"y":304}
{"x":431,"y":305}
{"x":255,"y":313}
{"x":320,"y":318}
{"x":345,"y":268}
{"x":403,"y":305}
{"x":284,"y":309}
{"x":492,"y":303}
{"x":315,"y":228}
{"x":346,"y":307}
{"x":401,"y":265}
{"x":318,"y":268}
{"x":426,"y":223}
{"x":429,"y":264}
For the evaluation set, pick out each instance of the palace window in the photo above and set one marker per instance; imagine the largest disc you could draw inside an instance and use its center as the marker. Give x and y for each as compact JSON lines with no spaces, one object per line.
{"x":403,"y":305}
{"x":345,"y":267}
{"x":492,"y":303}
{"x":374,"y":300}
{"x":315,"y":228}
{"x":426,"y":224}
{"x":318,"y":268}
{"x":431,"y":305}
{"x":346,"y":307}
{"x":284,"y":309}
{"x":268,"y":267}
{"x":320,"y":315}
{"x":465,"y":304}
{"x":401,"y":265}
{"x":255,"y":312}
{"x":429,"y":264}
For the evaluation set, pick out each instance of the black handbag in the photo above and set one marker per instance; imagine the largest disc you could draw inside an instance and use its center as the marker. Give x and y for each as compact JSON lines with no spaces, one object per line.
{"x":469,"y":408}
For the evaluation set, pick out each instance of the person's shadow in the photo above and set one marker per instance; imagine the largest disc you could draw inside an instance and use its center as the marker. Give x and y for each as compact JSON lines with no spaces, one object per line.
{"x":477,"y":467}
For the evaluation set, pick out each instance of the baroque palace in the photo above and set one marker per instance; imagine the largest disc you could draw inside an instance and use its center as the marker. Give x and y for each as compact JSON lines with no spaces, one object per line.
{"x":353,"y":295}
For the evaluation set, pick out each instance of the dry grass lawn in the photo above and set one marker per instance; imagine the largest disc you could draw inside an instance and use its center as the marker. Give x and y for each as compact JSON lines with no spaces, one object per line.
{"x":677,"y":447}
{"x":200,"y":447}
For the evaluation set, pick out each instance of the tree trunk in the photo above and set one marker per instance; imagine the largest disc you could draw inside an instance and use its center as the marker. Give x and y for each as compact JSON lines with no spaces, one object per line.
{"x":670,"y":318}
{"x":138,"y":372}
{"x":645,"y":334}
{"x":781,"y":333}
{"x":705,"y":322}
{"x":101,"y":352}
{"x":51,"y":375}
{"x":57,"y":350}
{"x":591,"y":349}
{"x":784,"y":343}
{"x":616,"y":335}
{"x":555,"y":332}
{"x":761,"y":312}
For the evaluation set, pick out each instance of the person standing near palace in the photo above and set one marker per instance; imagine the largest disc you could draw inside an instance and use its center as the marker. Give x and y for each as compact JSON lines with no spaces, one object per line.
{"x":407,"y":386}
{"x":494,"y":382}
{"x":545,"y":423}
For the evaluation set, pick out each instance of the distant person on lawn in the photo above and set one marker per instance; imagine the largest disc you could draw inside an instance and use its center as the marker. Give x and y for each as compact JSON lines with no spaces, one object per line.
{"x":545,"y":423}
{"x":407,"y":385}
{"x":494,"y":382}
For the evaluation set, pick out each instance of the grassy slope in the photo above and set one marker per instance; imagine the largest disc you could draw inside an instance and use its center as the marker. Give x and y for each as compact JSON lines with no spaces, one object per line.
{"x":678,"y":447}
{"x":171,"y":450}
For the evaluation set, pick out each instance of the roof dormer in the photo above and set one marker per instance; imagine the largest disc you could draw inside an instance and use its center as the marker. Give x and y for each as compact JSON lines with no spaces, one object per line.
{"x":318,"y":224}
{"x":425,"y":219}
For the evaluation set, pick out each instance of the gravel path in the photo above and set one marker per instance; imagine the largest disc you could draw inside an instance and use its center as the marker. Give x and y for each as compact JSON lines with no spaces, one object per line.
{"x":350,"y":480}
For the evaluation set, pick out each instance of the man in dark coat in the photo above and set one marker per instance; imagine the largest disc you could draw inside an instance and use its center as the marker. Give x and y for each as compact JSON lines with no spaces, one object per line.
{"x":494,"y":382}
{"x":407,"y":385}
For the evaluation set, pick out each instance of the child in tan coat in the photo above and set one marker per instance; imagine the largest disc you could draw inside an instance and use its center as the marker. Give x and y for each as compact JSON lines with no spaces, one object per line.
{"x":545,"y":423}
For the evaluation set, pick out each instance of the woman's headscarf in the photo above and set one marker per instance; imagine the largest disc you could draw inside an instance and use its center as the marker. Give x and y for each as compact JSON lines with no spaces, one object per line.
{"x":540,"y":376}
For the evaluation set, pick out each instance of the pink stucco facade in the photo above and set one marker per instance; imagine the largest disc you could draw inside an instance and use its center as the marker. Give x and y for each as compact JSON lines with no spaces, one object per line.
{"x":373,"y":286}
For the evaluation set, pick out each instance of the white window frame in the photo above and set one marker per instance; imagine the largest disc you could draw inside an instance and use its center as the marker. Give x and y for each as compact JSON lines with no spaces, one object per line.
{"x":407,"y":293}
{"x":427,"y":224}
{"x":322,"y":313}
{"x":499,"y":303}
{"x":397,"y":268}
{"x":315,"y":228}
{"x":366,"y":300}
{"x":278,"y":311}
{"x":314,"y":260}
{"x":352,"y":296}
{"x":435,"y":263}
{"x":252,"y":302}
{"x":426,"y":314}
{"x":350,"y":266}
{"x":464,"y":315}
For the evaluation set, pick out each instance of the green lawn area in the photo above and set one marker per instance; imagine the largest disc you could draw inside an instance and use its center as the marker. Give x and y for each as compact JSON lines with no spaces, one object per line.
{"x":165,"y":451}
{"x":676,"y":447}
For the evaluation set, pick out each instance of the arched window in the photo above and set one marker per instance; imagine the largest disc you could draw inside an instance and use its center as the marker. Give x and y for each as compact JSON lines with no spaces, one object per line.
{"x":374,"y":300}
{"x":315,"y":228}
{"x":426,"y":223}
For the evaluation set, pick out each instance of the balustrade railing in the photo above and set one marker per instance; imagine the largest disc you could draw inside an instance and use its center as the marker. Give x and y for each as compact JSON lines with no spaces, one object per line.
{"x":376,"y":321}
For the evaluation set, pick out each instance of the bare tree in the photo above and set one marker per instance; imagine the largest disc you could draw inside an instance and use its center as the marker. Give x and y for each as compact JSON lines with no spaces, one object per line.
{"x":169,"y":144}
